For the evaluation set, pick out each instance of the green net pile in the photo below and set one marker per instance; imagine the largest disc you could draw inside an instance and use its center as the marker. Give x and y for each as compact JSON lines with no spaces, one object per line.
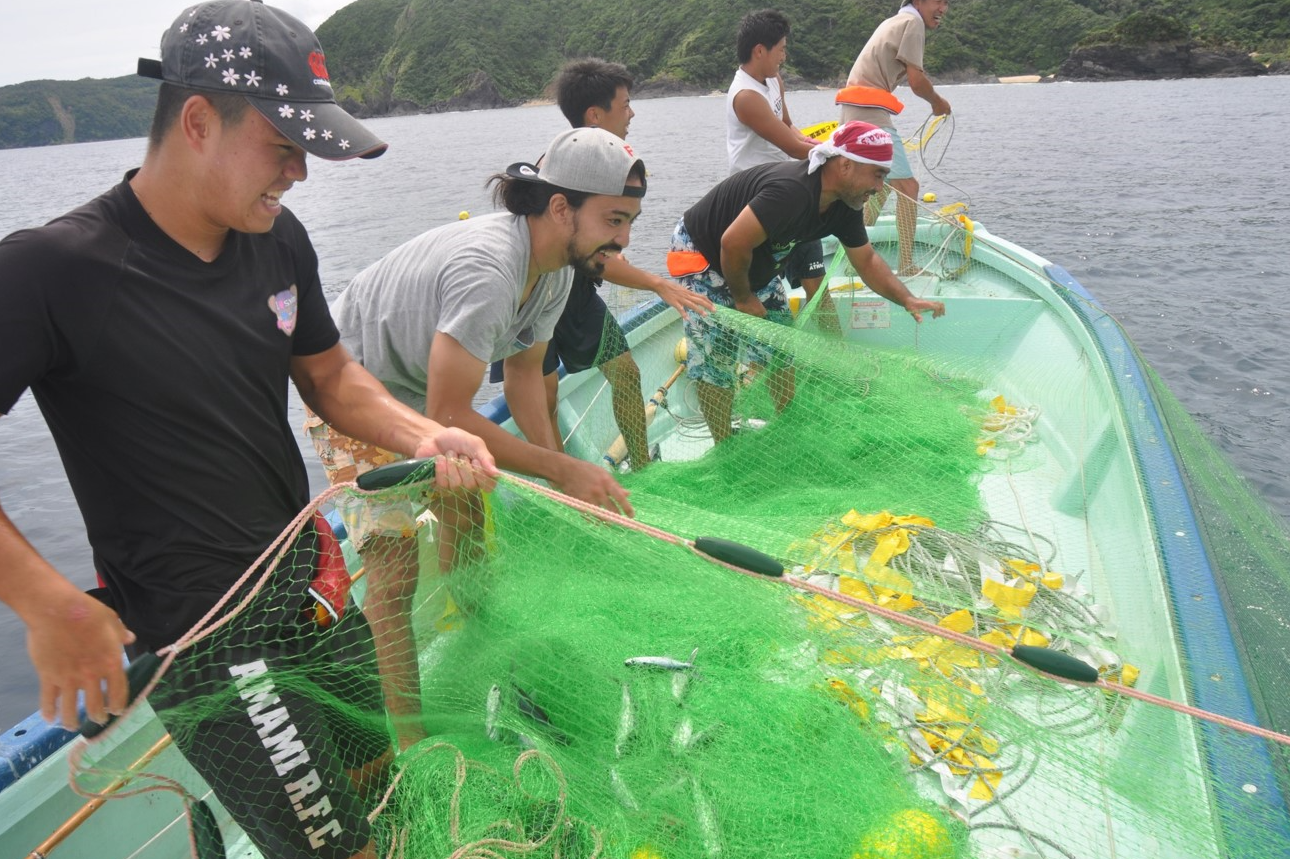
{"x":575,"y":687}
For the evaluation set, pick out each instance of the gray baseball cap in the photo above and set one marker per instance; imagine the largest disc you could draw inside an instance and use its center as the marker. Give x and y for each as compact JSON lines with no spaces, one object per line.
{"x":246,"y":47}
{"x":590,"y":160}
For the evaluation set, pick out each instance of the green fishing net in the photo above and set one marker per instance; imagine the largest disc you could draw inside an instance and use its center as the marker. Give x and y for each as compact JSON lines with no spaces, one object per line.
{"x":573,"y":685}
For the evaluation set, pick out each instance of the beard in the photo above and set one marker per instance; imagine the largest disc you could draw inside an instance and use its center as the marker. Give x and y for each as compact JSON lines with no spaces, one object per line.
{"x":857,"y":203}
{"x":590,"y":265}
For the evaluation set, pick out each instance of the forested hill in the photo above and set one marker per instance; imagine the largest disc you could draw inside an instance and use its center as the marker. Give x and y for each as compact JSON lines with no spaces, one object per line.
{"x":395,"y":55}
{"x":398,"y":56}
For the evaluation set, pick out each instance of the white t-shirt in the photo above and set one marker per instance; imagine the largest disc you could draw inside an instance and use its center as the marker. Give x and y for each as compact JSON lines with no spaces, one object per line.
{"x":744,"y":147}
{"x":465,"y":279}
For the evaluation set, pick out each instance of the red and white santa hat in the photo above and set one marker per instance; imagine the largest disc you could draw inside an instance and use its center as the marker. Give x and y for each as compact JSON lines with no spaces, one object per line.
{"x":856,"y":140}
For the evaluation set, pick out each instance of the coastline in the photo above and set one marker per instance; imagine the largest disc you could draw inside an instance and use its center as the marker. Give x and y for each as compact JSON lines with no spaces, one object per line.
{"x":1093,"y":64}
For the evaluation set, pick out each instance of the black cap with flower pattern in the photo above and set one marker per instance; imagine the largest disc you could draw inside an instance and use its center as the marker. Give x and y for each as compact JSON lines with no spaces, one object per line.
{"x":246,"y":47}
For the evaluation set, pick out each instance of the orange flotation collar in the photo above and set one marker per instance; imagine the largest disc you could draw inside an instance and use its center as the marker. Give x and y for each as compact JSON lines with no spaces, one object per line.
{"x":683,"y":263}
{"x":869,"y":96}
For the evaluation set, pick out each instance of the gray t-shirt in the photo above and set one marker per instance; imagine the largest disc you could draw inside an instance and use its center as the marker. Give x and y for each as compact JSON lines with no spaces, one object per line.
{"x":464,"y":279}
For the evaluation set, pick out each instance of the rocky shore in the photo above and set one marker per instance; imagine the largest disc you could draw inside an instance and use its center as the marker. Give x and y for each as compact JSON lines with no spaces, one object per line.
{"x":1159,"y":61}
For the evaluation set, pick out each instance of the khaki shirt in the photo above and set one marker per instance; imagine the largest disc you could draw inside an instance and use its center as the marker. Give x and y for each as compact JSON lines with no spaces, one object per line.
{"x":896,"y":44}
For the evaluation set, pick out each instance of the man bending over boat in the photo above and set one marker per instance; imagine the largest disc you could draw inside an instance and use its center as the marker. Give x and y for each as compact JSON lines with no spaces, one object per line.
{"x":732,"y":244}
{"x":158,"y":327}
{"x":759,"y":129}
{"x":429,"y":317}
{"x":593,"y":93}
{"x":893,"y":55}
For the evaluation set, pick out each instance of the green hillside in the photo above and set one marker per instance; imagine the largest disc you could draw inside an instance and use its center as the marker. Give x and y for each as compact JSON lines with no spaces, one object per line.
{"x":432,"y":52}
{"x":388,"y":56}
{"x":38,"y":113}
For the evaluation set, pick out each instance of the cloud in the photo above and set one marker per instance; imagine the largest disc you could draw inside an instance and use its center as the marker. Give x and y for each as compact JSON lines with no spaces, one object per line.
{"x":72,"y":39}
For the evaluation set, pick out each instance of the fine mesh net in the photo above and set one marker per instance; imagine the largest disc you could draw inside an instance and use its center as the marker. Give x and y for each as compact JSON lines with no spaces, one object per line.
{"x":938,"y":495}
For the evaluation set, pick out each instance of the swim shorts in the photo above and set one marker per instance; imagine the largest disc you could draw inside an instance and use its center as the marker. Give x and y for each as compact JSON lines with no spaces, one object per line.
{"x":900,"y":168}
{"x":805,"y":262}
{"x":715,"y":350}
{"x":343,"y":460}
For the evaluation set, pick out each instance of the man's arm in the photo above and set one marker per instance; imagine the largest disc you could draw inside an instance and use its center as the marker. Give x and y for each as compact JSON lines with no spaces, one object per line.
{"x":525,"y":393}
{"x":754,"y":111}
{"x":343,"y":393}
{"x":455,"y":375}
{"x":921,"y":84}
{"x":737,"y":244}
{"x":878,"y":276}
{"x":618,"y":270}
{"x":74,"y":640}
{"x":783,"y":108}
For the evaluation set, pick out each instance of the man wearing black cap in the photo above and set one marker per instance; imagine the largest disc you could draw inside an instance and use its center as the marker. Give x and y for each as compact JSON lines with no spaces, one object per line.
{"x":158,"y":326}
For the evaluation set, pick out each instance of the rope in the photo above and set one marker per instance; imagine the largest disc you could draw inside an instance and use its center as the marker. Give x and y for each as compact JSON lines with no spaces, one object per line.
{"x":925,"y":135}
{"x":896,"y":617}
{"x":494,"y":847}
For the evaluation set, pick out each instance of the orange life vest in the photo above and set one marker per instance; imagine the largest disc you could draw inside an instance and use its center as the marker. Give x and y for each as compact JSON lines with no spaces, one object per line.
{"x":869,"y":96}
{"x":682,"y":263}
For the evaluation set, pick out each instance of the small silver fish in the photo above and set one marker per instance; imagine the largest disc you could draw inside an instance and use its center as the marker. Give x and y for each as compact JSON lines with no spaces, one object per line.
{"x":626,"y":723}
{"x":680,"y":682}
{"x":621,"y":791}
{"x":697,"y":739}
{"x":706,"y":817}
{"x":662,"y":663}
{"x":493,"y":710}
{"x":683,"y":735}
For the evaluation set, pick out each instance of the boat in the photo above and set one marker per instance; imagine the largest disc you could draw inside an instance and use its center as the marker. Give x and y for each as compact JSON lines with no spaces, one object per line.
{"x":1025,"y":606}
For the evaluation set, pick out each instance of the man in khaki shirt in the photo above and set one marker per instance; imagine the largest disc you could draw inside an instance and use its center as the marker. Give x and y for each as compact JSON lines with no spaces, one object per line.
{"x":892,"y":56}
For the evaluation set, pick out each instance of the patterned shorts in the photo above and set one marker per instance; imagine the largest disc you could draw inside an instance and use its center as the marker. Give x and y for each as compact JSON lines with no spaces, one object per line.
{"x":715,"y":350}
{"x":343,"y":460}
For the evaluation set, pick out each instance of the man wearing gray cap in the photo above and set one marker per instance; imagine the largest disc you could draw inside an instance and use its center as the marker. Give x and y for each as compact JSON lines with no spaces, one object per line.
{"x":158,"y":327}
{"x":428,"y":319}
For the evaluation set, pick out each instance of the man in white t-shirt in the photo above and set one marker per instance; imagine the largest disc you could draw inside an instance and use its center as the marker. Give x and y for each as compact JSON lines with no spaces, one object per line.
{"x":429,"y":317}
{"x":759,"y":129}
{"x":892,"y":56}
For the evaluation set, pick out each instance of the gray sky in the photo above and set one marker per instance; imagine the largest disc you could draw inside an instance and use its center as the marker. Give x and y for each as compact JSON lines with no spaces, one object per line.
{"x":72,"y":39}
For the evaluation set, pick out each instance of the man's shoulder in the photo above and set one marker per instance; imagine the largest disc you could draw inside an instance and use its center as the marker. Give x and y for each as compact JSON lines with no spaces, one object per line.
{"x":903,"y":22}
{"x":788,"y":173}
{"x":743,"y":82}
{"x":70,"y":237}
{"x":779,"y":189}
{"x":896,"y":26}
{"x":492,"y":235}
{"x":482,"y":230}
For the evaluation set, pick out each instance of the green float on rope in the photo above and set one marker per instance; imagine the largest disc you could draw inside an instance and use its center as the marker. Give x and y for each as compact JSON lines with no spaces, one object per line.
{"x":1055,"y":663}
{"x":744,"y":557}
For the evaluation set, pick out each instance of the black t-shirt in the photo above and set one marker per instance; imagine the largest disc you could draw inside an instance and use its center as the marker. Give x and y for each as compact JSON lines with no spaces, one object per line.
{"x":164,"y":380}
{"x":786,"y":200}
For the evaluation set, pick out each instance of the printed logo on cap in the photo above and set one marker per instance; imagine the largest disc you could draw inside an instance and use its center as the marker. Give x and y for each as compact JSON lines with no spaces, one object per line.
{"x":318,"y":66}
